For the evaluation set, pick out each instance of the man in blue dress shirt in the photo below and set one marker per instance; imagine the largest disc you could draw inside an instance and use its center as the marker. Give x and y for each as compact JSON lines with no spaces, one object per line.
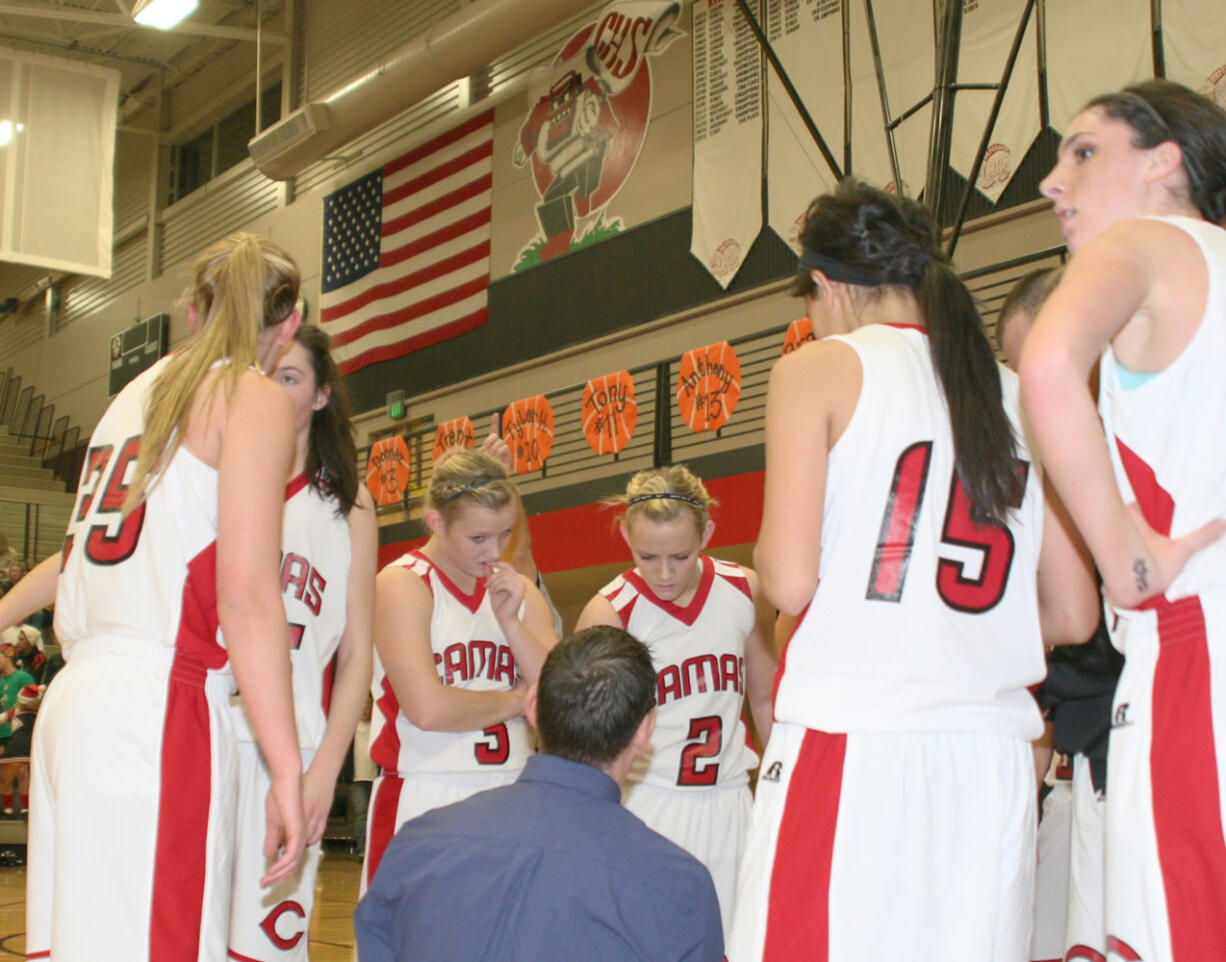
{"x":551,"y":867}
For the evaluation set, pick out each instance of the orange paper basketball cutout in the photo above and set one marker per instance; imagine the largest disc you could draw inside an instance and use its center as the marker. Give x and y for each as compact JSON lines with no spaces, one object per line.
{"x":708,"y":386}
{"x":387,"y":471}
{"x":610,"y":412}
{"x":527,"y":427}
{"x":799,"y":332}
{"x":456,"y":433}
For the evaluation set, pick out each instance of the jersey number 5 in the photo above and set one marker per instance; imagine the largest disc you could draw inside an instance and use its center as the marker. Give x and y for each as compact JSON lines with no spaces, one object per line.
{"x":495,"y":751}
{"x":101,"y":547}
{"x":897,"y":538}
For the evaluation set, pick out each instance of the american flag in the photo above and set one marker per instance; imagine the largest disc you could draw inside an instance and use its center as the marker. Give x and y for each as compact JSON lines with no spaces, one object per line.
{"x":406,"y":249}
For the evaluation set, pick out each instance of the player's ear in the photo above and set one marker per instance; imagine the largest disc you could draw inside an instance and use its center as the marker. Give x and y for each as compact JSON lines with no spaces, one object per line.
{"x":193,"y":316}
{"x":625,"y":533}
{"x":708,"y":530}
{"x":322,"y":397}
{"x":642,"y":735}
{"x":434,"y":521}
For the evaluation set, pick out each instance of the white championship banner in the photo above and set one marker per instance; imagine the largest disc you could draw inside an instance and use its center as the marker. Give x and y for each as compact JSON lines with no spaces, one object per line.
{"x":727,"y":212}
{"x":57,"y":134}
{"x":988,"y":31}
{"x":807,"y":37}
{"x":1094,"y":47}
{"x":1194,"y":32}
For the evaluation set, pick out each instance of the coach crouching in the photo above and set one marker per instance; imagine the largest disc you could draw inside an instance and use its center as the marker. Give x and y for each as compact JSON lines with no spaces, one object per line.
{"x":550,"y":867}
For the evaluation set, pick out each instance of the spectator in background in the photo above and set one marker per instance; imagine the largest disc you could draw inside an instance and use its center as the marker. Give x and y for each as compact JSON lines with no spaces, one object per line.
{"x":28,"y":656}
{"x":12,"y":680}
{"x":15,"y":762}
{"x":8,"y":554}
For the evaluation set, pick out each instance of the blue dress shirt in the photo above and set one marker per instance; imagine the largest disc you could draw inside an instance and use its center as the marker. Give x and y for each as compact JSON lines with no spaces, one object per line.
{"x":548,"y":868}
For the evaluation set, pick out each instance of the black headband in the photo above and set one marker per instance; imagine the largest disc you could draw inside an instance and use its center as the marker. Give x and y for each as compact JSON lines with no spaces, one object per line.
{"x":666,"y":496}
{"x":464,"y":489}
{"x":815,"y":261}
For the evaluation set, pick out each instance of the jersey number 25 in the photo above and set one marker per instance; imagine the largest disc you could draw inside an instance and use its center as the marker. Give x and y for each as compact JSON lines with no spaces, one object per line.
{"x":101,"y":547}
{"x":995,"y":542}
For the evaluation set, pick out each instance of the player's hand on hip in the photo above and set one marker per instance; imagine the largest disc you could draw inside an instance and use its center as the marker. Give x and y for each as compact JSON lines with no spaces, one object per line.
{"x":1166,"y":558}
{"x":285,"y":839}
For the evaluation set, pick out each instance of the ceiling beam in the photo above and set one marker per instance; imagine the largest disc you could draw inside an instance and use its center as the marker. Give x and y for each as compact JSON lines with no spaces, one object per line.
{"x":120,"y":22}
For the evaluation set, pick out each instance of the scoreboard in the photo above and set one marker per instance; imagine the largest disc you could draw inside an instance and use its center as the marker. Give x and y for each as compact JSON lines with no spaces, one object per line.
{"x":137,"y":349}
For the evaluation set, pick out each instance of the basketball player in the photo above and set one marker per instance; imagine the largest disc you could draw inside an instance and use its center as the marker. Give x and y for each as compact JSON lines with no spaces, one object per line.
{"x":895,"y":812}
{"x":175,"y":533}
{"x":1076,"y":701}
{"x":459,"y":635}
{"x":1139,"y":188}
{"x":709,"y":631}
{"x":329,"y":542}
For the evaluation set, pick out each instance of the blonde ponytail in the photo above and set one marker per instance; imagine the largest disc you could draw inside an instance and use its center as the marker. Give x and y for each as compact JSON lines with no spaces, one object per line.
{"x":243,"y":284}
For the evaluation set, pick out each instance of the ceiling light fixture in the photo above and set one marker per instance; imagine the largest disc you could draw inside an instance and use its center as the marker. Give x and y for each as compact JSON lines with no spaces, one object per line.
{"x":162,"y":14}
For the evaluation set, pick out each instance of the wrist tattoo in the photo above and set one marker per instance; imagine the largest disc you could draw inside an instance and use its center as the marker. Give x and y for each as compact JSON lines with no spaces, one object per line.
{"x":1141,"y":573}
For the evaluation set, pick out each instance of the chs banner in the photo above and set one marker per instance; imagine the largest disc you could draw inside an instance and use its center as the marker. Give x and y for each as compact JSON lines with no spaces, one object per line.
{"x":406,"y":249}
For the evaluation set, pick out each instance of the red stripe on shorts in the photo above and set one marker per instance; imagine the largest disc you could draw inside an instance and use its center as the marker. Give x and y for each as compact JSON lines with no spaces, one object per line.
{"x":183,"y":816}
{"x":798,"y":916}
{"x":1184,"y":775}
{"x":383,"y":808}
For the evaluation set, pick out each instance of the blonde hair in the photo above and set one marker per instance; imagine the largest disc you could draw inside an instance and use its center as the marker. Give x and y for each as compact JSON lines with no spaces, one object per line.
{"x":243,"y":284}
{"x":469,"y":477}
{"x":663,"y":494}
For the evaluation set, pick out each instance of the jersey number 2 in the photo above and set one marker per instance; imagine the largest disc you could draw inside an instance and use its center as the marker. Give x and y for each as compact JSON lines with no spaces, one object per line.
{"x":705,"y":739}
{"x":100,"y":547}
{"x":897,"y":538}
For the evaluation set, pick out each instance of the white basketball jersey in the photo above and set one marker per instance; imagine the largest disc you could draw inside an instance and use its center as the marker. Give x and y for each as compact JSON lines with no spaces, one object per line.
{"x":699,"y":655}
{"x":469,"y":652}
{"x":151,"y":576}
{"x":922,"y":620}
{"x":1167,"y":437}
{"x":315,"y":557}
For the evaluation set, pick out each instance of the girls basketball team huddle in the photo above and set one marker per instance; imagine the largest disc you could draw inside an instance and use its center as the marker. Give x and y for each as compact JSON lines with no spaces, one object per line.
{"x":926,"y":529}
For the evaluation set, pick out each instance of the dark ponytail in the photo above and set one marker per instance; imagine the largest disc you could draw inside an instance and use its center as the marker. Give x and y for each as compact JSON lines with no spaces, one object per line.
{"x":892,"y":242}
{"x":331,"y":457}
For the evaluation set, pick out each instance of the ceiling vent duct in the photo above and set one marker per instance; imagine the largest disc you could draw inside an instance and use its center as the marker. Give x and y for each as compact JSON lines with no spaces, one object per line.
{"x":454,"y":47}
{"x":285,"y":135}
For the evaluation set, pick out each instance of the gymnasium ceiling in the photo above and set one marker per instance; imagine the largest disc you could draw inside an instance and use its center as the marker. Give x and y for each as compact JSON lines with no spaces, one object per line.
{"x":103,"y":32}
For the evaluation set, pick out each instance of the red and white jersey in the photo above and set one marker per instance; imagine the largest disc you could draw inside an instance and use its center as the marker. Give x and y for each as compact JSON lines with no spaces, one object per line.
{"x":699,"y":655}
{"x":1167,"y":436}
{"x":315,"y":557}
{"x":922,"y":620}
{"x":469,"y":652}
{"x":151,"y":577}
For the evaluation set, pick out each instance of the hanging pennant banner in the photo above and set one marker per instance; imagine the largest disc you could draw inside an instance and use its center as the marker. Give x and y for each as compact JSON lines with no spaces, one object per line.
{"x":527,"y":427}
{"x":799,"y":332}
{"x":387,"y":471}
{"x":456,"y":433}
{"x":610,"y":412}
{"x":727,"y":137}
{"x":709,"y":386}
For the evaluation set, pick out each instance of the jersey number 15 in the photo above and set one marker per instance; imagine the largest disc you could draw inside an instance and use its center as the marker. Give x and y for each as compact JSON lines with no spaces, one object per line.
{"x":995,"y":542}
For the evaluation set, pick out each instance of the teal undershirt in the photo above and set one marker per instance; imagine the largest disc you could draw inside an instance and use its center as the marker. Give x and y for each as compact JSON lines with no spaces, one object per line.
{"x":1131,"y":380}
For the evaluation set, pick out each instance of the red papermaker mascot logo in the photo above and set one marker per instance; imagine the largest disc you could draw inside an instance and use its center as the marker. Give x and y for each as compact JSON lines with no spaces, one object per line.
{"x":588,"y":119}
